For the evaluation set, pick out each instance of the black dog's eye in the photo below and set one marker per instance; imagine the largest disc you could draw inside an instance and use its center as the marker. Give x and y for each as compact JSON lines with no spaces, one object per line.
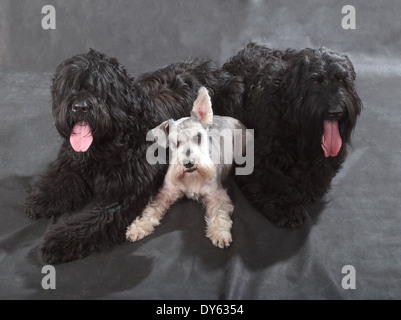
{"x":341,"y":77}
{"x":340,"y":80}
{"x":315,"y":83}
{"x":343,"y":82}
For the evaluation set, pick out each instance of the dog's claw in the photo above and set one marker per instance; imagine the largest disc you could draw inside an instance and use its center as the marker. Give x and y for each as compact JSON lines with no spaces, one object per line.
{"x":31,"y":211}
{"x":136,"y":233}
{"x":31,"y":214}
{"x":51,"y":257}
{"x":222,"y":239}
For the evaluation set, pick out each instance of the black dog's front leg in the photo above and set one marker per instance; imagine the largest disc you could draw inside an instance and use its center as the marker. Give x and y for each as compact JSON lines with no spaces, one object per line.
{"x":123,"y":197}
{"x":90,"y":231}
{"x":79,"y":235}
{"x":59,"y":191}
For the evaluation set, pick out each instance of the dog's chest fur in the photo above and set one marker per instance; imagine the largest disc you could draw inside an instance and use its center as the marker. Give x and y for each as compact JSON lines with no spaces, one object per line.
{"x":194,"y":188}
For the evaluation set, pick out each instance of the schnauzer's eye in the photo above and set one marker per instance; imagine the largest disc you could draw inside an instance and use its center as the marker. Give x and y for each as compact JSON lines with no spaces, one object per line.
{"x":178,"y":144}
{"x":198,"y":138}
{"x":173,"y":143}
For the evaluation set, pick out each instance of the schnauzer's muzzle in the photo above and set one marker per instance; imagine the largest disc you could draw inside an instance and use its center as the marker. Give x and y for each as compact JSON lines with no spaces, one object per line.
{"x":189,"y":164}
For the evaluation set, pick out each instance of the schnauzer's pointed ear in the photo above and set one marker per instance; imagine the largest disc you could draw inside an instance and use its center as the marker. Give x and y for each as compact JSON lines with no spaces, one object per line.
{"x":161,"y":132}
{"x":202,"y":109}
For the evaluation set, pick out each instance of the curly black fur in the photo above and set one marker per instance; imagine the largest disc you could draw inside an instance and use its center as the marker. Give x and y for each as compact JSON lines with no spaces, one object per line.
{"x":113,"y":174}
{"x":288,"y":96}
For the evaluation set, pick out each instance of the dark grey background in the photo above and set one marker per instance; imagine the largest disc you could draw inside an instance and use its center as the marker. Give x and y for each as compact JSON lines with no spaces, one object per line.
{"x":357,"y":223}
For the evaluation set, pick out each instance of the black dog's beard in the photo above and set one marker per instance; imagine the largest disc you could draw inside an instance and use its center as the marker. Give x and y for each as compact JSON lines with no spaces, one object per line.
{"x":81,"y":128}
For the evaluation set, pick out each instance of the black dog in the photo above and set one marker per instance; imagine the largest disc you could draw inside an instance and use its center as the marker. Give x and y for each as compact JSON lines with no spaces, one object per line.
{"x":104,"y":115}
{"x":303,"y":106}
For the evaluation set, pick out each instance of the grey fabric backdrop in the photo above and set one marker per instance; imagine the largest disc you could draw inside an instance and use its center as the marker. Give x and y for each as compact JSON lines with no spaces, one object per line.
{"x":358,"y":223}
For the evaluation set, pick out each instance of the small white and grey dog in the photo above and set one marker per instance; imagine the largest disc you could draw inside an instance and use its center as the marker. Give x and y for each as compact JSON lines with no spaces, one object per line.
{"x":199,"y":162}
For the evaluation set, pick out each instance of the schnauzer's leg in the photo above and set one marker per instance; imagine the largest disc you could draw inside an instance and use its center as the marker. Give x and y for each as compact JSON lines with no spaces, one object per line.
{"x":60,"y":190}
{"x":276,"y":196}
{"x":218,"y":217}
{"x":153,"y":213}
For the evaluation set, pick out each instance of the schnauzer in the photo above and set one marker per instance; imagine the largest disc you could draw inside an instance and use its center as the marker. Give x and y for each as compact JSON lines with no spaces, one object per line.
{"x":303,"y":107}
{"x":103,"y":115}
{"x":194,"y":172}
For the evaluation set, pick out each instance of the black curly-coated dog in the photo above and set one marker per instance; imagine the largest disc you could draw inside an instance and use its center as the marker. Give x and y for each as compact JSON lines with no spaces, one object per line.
{"x":104,"y":115}
{"x":303,"y":106}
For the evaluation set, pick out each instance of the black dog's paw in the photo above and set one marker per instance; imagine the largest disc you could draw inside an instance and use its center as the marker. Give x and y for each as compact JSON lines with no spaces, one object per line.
{"x":53,"y":250}
{"x":33,"y":208}
{"x":293,"y":217}
{"x":60,"y":245}
{"x":51,"y":258}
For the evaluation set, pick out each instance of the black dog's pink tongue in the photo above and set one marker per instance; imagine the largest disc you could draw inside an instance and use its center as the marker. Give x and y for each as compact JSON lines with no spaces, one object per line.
{"x":81,"y":137}
{"x":331,"y":140}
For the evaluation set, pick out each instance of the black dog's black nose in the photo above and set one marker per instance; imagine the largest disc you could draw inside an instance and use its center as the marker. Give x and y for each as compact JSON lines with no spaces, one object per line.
{"x":189,"y":163}
{"x":80,"y":107}
{"x":336,"y":113}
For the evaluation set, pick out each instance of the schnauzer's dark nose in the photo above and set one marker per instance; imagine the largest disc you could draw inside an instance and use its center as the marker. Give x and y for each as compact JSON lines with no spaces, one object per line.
{"x":189,"y":163}
{"x":80,"y":107}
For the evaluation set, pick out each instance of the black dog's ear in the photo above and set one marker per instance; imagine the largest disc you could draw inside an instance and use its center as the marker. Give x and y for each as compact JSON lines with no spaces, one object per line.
{"x":114,"y":62}
{"x":161,"y":132}
{"x":351,"y":67}
{"x":96,"y":54}
{"x":165,"y":126}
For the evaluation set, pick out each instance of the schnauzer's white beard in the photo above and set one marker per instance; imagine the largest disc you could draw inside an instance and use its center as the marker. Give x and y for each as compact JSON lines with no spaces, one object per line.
{"x":192,"y":183}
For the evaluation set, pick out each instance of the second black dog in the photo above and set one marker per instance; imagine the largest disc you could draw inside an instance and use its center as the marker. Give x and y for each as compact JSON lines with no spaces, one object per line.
{"x":303,"y":106}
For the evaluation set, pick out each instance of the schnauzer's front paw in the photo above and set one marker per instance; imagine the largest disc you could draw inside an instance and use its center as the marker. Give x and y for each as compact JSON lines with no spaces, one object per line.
{"x":221,"y":239}
{"x":293,"y":217}
{"x":138,"y":230}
